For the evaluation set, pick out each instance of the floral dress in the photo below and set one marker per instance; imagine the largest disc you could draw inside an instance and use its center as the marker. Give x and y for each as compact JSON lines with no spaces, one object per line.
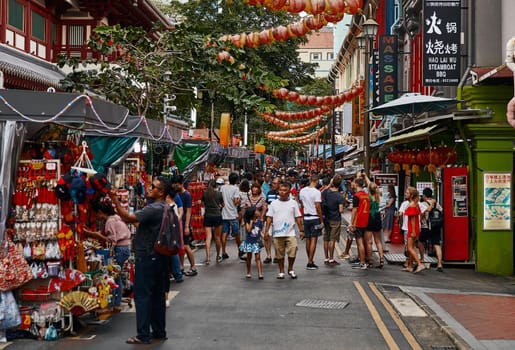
{"x":252,"y":243}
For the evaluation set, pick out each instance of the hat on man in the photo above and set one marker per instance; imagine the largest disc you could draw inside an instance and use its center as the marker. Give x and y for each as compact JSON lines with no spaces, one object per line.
{"x":220,"y":181}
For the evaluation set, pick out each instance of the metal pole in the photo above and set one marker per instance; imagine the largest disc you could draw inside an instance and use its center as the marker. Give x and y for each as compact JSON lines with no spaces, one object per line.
{"x":366,"y":122}
{"x":333,"y":140}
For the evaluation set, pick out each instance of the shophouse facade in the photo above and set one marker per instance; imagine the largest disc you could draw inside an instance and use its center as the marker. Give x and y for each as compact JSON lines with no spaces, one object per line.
{"x":480,"y":228}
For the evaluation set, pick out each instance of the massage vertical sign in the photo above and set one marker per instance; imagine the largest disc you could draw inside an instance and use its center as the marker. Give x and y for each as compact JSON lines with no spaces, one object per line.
{"x":442,"y":28}
{"x":387,"y":85}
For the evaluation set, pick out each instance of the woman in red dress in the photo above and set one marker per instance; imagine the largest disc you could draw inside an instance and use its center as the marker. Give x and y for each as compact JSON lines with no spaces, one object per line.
{"x":413,"y":213}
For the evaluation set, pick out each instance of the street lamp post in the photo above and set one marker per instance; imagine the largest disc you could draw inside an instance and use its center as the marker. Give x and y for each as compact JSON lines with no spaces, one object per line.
{"x":366,"y":43}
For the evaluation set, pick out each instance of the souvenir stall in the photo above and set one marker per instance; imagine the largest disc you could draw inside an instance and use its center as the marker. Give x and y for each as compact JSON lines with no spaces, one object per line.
{"x":53,"y":279}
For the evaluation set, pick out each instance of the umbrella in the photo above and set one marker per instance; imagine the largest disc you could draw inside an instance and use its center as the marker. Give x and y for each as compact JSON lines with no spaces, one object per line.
{"x":414,"y":103}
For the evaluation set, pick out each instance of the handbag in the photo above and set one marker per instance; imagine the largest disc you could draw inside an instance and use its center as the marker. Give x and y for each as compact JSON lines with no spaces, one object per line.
{"x":14,"y":269}
{"x":9,"y":312}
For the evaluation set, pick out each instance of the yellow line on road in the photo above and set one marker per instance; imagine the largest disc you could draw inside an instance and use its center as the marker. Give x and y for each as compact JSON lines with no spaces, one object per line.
{"x":398,"y":321}
{"x":377,"y":318}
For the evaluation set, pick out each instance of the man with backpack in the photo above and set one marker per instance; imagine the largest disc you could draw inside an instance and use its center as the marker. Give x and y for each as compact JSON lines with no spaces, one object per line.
{"x":149,"y":281}
{"x":434,"y":219}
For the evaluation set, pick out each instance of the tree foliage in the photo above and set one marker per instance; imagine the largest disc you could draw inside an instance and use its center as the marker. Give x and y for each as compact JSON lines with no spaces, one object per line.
{"x":138,"y":61}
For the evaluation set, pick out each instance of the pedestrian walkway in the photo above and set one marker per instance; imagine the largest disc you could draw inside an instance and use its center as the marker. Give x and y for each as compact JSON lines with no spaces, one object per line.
{"x":473,"y":320}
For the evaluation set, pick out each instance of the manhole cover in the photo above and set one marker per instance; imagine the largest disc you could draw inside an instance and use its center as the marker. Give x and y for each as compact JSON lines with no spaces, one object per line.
{"x":322,"y":304}
{"x":443,"y":347}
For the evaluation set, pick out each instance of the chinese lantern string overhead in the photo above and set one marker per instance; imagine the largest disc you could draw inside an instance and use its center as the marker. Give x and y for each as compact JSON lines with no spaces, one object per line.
{"x":302,"y":114}
{"x":323,"y":12}
{"x":330,"y":7}
{"x":283,"y":124}
{"x":300,"y":139}
{"x":310,"y":100}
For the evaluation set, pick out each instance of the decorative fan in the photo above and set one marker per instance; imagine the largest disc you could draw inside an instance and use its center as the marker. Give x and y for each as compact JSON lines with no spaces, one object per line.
{"x":78,"y":302}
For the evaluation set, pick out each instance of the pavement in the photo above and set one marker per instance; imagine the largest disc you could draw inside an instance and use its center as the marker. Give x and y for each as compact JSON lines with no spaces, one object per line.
{"x":458,"y":308}
{"x":476,"y":311}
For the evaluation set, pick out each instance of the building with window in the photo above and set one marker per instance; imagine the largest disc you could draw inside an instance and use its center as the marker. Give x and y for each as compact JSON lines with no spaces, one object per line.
{"x":319,"y":50}
{"x":34,"y":32}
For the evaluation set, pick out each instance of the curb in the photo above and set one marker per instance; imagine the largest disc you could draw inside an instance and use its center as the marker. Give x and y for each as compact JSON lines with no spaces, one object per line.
{"x":458,"y":341}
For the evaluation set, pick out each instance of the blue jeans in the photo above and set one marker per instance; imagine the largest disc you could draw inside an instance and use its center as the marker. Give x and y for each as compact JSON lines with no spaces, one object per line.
{"x":149,"y":297}
{"x":176,"y":268}
{"x":231,"y":226}
{"x":121,"y":254}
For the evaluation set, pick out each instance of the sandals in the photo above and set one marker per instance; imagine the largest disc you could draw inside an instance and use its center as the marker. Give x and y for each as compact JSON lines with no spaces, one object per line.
{"x":381,"y":263}
{"x":136,"y":341}
{"x":280,"y":276}
{"x":268,"y":260}
{"x":191,"y":273}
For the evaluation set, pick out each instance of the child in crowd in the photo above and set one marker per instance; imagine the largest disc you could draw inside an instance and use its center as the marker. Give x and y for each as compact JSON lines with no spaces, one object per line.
{"x":252,"y":243}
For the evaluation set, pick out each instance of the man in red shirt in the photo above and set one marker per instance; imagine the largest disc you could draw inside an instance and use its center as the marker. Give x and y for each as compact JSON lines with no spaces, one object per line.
{"x":359,"y":222}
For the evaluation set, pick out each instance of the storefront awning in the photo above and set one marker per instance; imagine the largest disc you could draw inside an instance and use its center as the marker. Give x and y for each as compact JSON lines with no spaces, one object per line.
{"x":411,"y":136}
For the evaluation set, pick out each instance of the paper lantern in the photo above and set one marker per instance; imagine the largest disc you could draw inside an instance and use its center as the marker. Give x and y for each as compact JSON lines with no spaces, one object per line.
{"x":259,"y":148}
{"x":225,"y":129}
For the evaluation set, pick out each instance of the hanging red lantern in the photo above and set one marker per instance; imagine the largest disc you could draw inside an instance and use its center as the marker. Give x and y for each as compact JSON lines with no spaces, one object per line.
{"x":282,"y":93}
{"x":280,"y":33}
{"x":312,"y":100}
{"x":335,"y":6}
{"x":296,"y":6}
{"x":451,"y":156}
{"x":303,"y":99}
{"x":422,"y":157}
{"x":317,"y":6}
{"x":408,"y":157}
{"x":293,"y":96}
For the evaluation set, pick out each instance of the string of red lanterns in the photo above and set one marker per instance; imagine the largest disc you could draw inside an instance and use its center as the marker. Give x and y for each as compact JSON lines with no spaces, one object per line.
{"x":310,"y":100}
{"x":305,"y":139}
{"x":432,"y":157}
{"x":284,"y":124}
{"x":330,"y":7}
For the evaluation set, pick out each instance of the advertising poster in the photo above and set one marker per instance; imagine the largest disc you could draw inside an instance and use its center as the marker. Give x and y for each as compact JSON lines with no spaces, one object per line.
{"x":382,"y":181}
{"x":497,"y":201}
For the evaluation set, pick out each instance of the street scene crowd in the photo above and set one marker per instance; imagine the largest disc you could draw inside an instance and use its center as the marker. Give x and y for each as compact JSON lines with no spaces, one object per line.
{"x":269,"y":211}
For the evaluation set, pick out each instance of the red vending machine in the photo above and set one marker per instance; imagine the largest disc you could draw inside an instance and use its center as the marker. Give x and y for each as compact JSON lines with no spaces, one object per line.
{"x":455,"y":214}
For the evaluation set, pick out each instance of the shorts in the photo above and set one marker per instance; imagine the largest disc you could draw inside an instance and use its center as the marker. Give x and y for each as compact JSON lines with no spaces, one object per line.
{"x":332,"y":232}
{"x":285,"y":246}
{"x":212,"y":221}
{"x":231,"y":226}
{"x":187,"y":239}
{"x":312,"y":228}
{"x":359,"y":232}
{"x":431,"y":236}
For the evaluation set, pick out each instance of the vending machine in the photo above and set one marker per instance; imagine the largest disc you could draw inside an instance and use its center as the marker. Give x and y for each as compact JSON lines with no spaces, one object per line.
{"x":455,"y":214}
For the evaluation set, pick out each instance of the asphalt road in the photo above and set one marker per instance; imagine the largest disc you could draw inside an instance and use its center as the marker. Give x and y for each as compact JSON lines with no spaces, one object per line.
{"x":347,"y":309}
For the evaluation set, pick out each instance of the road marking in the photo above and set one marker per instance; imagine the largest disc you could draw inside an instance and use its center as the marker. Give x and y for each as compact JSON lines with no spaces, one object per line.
{"x":377,"y":318}
{"x":398,"y":321}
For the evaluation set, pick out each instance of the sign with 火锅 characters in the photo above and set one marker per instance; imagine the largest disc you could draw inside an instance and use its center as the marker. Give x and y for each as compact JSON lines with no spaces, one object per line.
{"x":442,"y":29}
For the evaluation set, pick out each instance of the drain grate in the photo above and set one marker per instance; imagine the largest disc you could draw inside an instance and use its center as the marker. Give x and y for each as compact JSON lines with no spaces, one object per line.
{"x":322,"y":304}
{"x":389,"y":288}
{"x":443,"y":347}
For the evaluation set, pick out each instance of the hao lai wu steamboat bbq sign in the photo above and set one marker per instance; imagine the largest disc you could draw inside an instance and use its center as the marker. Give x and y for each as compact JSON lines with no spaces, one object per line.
{"x":442,"y":28}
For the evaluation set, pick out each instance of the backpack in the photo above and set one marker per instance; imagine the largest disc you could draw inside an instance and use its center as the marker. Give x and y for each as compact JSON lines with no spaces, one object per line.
{"x":169,"y":240}
{"x":435,"y":219}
